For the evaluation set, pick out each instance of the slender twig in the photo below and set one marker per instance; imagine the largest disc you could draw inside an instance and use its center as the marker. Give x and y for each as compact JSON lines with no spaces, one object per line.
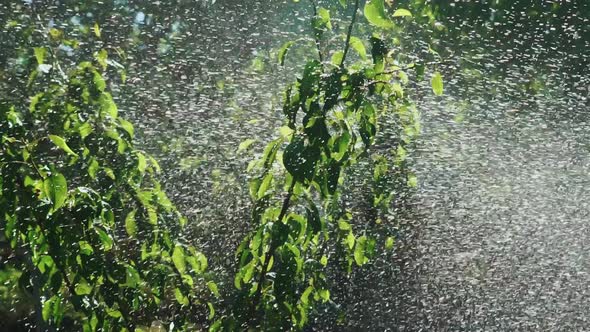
{"x":317,"y":40}
{"x":271,"y":250}
{"x":349,"y":33}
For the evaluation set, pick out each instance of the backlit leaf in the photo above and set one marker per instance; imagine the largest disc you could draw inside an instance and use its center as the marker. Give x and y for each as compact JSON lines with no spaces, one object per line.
{"x":437,"y":84}
{"x":375,"y":14}
{"x":358,"y":46}
{"x":56,"y":189}
{"x":283,"y":52}
{"x":61,"y":143}
{"x":82,"y":288}
{"x":130,"y":225}
{"x":178,"y":259}
{"x":402,"y":13}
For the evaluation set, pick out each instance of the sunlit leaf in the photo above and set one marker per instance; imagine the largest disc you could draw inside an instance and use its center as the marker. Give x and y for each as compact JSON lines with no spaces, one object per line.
{"x":389,"y":243}
{"x":60,"y":142}
{"x":183,"y":300}
{"x":358,"y":46}
{"x":213,"y":288}
{"x":130,"y":225}
{"x":283,"y":52}
{"x":97,"y":31}
{"x":178,"y":259}
{"x":325,"y":16}
{"x":127,"y":126}
{"x":437,"y":84}
{"x":299,"y":160}
{"x":56,"y":189}
{"x":141,"y":162}
{"x":359,"y":251}
{"x":402,"y":13}
{"x":244,"y":145}
{"x":375,"y":14}
{"x":82,"y":288}
{"x":40,"y":54}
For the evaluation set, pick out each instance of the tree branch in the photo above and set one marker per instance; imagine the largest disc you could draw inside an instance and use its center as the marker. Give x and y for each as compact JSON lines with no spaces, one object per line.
{"x":271,"y":250}
{"x":317,"y":40}
{"x":349,"y":34}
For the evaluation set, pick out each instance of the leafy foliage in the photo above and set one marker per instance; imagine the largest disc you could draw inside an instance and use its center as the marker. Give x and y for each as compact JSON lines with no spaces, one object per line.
{"x":333,"y":113}
{"x":101,"y":238}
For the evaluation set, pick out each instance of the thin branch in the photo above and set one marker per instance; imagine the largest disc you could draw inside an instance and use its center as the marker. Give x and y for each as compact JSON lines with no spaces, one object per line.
{"x":271,"y":250}
{"x":317,"y":40}
{"x":349,"y":34}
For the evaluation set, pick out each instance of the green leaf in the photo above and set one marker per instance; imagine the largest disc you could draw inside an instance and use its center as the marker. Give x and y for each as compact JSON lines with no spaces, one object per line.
{"x":127,"y":126}
{"x":244,"y":145}
{"x":337,"y":58}
{"x":85,"y":129}
{"x":412,"y":181}
{"x":325,"y":17}
{"x":213,"y":288}
{"x":389,"y":243}
{"x":101,"y":57}
{"x":264,"y":186}
{"x":130,"y":225}
{"x":48,"y":307}
{"x":132,"y":278}
{"x":183,"y":300}
{"x":61,"y":143}
{"x":108,"y":105}
{"x":141,"y":162}
{"x":299,"y":160}
{"x":375,"y":14}
{"x":305,"y":295}
{"x":211,"y":311}
{"x":56,"y":189}
{"x":359,"y":251}
{"x":283,"y":52}
{"x":105,"y":238}
{"x":96,"y":29}
{"x":85,"y":248}
{"x":402,"y":13}
{"x":344,"y":225}
{"x":311,"y":77}
{"x":343,"y":3}
{"x":93,"y":168}
{"x":82,"y":288}
{"x":437,"y":84}
{"x":114,"y":313}
{"x":357,"y":44}
{"x":178,"y":259}
{"x":40,"y":54}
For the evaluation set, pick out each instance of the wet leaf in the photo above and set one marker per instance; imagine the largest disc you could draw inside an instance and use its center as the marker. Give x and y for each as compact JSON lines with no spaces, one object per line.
{"x":437,"y":84}
{"x":61,"y":143}
{"x":375,"y":14}
{"x":178,"y":259}
{"x":56,"y":189}
{"x":402,"y":13}
{"x":283,"y":52}
{"x":82,"y":288}
{"x":130,"y":225}
{"x":357,"y":44}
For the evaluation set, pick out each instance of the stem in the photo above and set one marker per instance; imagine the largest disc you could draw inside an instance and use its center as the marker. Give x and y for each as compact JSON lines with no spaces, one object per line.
{"x":317,"y":40}
{"x":348,"y":35}
{"x":270,"y":252}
